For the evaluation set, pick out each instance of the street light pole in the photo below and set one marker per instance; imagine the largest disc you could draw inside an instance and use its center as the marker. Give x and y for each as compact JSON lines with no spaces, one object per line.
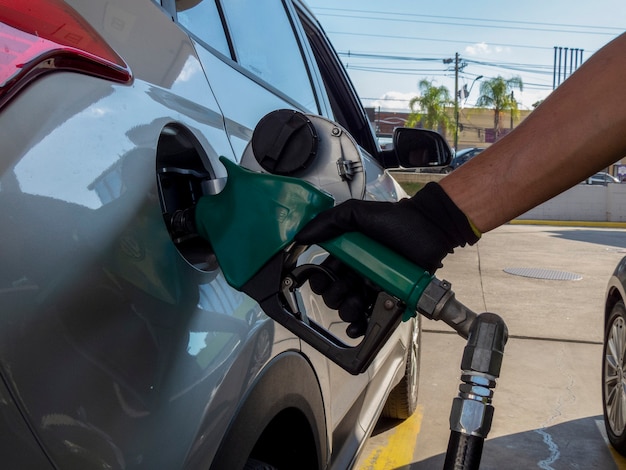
{"x":472,"y":86}
{"x":456,"y":102}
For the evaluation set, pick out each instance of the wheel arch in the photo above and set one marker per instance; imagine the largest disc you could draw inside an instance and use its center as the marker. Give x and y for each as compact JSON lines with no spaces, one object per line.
{"x":613,"y":296}
{"x":281,"y":421}
{"x":616,"y":289}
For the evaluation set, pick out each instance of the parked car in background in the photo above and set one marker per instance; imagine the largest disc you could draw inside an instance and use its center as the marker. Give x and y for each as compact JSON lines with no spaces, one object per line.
{"x":602,"y":178}
{"x":121,"y":344}
{"x":463,"y":156}
{"x":458,"y":159}
{"x":614,"y":359}
{"x":385,"y":142}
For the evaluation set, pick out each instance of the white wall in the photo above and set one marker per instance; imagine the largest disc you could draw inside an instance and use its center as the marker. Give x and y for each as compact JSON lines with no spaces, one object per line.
{"x":584,"y":202}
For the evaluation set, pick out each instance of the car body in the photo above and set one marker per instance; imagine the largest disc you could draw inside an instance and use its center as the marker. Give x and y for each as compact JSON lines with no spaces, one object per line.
{"x":602,"y":178}
{"x":122,"y":345}
{"x":614,"y":359}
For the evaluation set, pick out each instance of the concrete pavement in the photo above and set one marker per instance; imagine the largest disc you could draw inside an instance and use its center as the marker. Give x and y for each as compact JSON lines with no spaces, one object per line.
{"x":548,"y":402}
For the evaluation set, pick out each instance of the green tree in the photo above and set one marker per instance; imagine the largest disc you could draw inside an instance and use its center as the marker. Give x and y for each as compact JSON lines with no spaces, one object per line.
{"x":429,"y":108}
{"x":497,"y":93}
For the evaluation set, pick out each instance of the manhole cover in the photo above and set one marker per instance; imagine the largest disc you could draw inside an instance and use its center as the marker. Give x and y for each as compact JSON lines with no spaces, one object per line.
{"x":538,"y":273}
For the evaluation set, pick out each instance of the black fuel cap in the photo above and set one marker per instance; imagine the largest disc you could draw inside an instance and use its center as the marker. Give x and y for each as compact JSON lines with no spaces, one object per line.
{"x":284,"y":141}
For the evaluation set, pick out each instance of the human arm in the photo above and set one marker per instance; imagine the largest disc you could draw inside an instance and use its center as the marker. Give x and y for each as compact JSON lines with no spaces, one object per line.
{"x":578,"y":130}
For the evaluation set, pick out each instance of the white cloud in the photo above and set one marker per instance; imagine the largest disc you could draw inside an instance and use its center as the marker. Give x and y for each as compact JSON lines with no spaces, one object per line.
{"x":392,"y":100}
{"x":484,"y":49}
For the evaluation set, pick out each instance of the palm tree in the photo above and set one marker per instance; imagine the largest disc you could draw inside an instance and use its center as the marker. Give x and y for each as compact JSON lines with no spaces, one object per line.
{"x":497,"y":93}
{"x":429,"y":109}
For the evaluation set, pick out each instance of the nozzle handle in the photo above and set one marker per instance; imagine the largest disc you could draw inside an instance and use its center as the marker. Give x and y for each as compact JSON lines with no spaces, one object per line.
{"x":383,"y":266}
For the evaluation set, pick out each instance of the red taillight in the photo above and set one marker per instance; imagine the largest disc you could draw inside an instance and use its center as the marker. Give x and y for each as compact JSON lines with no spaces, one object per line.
{"x":37,"y":36}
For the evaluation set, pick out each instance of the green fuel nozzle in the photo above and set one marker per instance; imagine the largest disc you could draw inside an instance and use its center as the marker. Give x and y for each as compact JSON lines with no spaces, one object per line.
{"x":251,"y":225}
{"x":257,"y":215}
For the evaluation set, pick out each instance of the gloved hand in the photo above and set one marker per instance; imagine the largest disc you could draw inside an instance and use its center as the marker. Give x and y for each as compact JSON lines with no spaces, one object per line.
{"x":349,"y":294}
{"x":423,"y":229}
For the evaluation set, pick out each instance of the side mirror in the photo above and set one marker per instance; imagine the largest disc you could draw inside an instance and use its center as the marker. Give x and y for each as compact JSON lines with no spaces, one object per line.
{"x":418,"y":148}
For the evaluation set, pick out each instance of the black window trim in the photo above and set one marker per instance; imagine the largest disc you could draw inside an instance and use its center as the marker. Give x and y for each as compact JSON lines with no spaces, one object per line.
{"x":351,"y":113}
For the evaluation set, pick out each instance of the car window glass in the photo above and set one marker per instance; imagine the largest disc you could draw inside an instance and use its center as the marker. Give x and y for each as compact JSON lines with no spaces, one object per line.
{"x":202,"y":19}
{"x":265,"y":44}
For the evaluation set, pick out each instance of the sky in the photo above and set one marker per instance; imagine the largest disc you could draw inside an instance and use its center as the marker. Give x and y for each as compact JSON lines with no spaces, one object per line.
{"x":388,"y":47}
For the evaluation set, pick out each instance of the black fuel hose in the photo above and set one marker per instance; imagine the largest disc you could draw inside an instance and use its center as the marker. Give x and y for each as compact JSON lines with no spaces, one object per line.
{"x":464,"y":452}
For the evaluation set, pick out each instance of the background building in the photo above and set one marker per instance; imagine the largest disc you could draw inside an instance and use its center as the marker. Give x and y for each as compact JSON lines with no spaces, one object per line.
{"x":475,"y":125}
{"x":475,"y":129}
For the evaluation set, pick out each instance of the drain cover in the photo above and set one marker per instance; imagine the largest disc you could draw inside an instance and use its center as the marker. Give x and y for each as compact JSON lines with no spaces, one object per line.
{"x":538,"y":273}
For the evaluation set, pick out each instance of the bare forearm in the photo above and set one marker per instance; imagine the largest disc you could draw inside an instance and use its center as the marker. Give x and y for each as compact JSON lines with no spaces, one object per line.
{"x":579,"y":129}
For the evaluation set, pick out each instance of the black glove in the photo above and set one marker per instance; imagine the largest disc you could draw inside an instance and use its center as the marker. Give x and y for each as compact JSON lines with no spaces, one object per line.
{"x":348,"y":293}
{"x":423,"y":229}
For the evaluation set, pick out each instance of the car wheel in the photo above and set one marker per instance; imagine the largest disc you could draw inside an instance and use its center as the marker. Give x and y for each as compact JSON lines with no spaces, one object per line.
{"x":402,"y":401}
{"x":253,"y":464}
{"x":614,"y":376}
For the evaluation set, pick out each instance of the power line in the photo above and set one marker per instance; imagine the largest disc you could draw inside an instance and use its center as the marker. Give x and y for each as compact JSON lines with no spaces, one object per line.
{"x":598,"y":30}
{"x":434,"y":73}
{"x":386,"y":99}
{"x":482,"y":26}
{"x":401,"y":64}
{"x":465,"y":76}
{"x":396,"y":71}
{"x":415,"y":38}
{"x":372,"y":55}
{"x":392,"y":57}
{"x":499,"y":23}
{"x":526,"y":68}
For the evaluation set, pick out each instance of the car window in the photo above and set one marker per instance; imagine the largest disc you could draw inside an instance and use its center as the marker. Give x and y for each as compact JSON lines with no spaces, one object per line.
{"x":202,"y":18}
{"x":265,"y":44}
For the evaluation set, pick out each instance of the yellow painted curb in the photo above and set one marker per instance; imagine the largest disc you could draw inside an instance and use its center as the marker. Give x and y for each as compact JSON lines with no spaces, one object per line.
{"x":619,"y":460}
{"x":398,"y":450}
{"x":569,"y":223}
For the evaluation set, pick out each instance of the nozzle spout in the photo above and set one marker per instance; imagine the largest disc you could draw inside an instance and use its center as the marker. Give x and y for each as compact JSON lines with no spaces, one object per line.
{"x":438,"y":302}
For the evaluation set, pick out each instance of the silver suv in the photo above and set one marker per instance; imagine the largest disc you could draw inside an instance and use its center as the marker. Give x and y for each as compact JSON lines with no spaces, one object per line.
{"x":121,"y":344}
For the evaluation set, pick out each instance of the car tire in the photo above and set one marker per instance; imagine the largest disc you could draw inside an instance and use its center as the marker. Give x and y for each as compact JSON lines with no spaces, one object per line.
{"x":253,"y":464}
{"x":402,"y":401}
{"x":614,"y":377}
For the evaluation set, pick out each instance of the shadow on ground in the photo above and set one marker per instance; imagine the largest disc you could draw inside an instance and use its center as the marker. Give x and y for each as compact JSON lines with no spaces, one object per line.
{"x":616,"y":238}
{"x":573,"y":445}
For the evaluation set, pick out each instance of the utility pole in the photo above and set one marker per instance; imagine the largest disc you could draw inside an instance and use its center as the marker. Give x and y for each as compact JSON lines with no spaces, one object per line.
{"x":457,"y":66}
{"x":560,"y":63}
{"x":512,"y":99}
